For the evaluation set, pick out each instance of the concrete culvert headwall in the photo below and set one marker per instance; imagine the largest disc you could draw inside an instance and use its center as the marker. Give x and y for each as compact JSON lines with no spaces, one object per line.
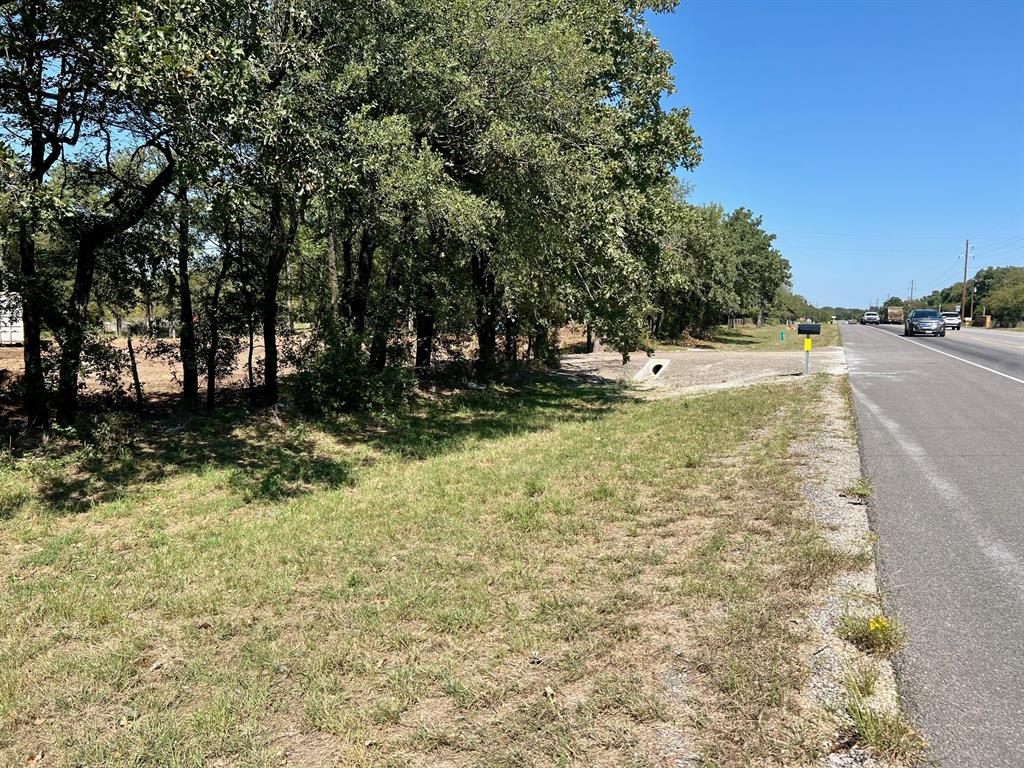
{"x":652,"y":369}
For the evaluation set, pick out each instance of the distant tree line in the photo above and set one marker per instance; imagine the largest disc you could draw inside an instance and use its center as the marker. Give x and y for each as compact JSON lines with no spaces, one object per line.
{"x":406,"y":181}
{"x":997,"y":291}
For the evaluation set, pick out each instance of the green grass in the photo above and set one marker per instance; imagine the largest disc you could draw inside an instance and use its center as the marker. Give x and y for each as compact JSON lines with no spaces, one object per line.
{"x":859,"y":490}
{"x":504,"y":577}
{"x":861,"y":680}
{"x":889,"y":735}
{"x":756,"y":339}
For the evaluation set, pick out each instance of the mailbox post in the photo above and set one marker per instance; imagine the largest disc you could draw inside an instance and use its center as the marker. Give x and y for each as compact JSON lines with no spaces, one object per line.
{"x":807,"y":330}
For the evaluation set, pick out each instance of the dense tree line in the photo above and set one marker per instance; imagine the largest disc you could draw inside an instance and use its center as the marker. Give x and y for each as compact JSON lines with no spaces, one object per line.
{"x":997,"y":291}
{"x":412,"y":180}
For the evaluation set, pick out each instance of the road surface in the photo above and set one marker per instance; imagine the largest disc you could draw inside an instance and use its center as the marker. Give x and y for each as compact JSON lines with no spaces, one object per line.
{"x":942,"y":438}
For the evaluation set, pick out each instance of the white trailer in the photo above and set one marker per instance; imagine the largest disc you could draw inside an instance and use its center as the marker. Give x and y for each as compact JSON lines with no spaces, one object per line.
{"x":11,"y":330}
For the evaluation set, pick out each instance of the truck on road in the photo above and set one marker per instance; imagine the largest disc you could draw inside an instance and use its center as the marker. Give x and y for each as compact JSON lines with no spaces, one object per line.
{"x":892,"y":315}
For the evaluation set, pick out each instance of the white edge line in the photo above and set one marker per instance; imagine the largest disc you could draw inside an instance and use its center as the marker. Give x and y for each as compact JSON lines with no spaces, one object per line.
{"x":961,"y":359}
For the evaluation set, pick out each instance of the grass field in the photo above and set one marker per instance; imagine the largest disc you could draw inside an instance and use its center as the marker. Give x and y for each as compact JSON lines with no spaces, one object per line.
{"x":548,"y":575}
{"x":754,"y":338}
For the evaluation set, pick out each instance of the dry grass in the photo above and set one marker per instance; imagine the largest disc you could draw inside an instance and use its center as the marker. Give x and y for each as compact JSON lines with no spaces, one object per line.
{"x":756,"y":339}
{"x":543,"y":576}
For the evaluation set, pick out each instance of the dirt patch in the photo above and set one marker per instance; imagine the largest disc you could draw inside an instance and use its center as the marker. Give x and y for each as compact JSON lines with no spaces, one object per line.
{"x":157,"y":374}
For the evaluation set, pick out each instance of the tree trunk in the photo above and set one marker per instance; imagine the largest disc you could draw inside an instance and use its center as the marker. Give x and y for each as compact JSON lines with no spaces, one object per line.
{"x":85,"y":268}
{"x":282,"y":234}
{"x":33,"y":382}
{"x":187,"y":340}
{"x":361,"y":288}
{"x":544,"y":350}
{"x":511,"y":340}
{"x":346,"y":277}
{"x":424,"y":323}
{"x":486,"y":316}
{"x":41,"y":159}
{"x":251,"y":327}
{"x":211,"y":352}
{"x":383,"y":318}
{"x":135,"y":373}
{"x":590,"y":338}
{"x":332,"y":267}
{"x":73,"y":339}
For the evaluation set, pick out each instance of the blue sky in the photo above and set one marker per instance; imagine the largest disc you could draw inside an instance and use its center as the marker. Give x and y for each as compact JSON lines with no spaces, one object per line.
{"x":874,"y":137}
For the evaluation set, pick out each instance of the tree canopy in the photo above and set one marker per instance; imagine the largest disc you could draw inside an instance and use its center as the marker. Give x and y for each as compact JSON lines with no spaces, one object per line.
{"x":409,"y":183}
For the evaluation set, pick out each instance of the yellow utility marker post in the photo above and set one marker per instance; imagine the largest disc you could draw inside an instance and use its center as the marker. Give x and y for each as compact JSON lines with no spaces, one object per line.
{"x":807,"y":330}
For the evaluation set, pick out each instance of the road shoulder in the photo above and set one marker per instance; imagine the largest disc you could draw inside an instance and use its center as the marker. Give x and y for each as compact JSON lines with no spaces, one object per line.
{"x":853,"y":688}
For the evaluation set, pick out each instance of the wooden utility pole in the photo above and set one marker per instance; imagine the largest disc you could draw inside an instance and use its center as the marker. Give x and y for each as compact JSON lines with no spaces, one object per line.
{"x":963,"y":299}
{"x":912,"y":284}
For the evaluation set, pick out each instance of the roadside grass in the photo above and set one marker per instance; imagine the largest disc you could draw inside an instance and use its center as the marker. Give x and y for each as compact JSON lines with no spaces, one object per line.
{"x":861,"y":680}
{"x":756,"y":339}
{"x":888,"y":734}
{"x":859,"y":490}
{"x":542,"y":575}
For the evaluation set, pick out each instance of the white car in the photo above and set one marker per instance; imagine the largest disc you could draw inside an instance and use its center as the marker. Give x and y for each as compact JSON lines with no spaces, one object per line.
{"x":870,"y":318}
{"x":952,"y":320}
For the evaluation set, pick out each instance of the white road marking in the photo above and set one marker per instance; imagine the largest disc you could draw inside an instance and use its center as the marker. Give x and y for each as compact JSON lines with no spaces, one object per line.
{"x":955,"y":357}
{"x":990,"y":545}
{"x":986,"y":340}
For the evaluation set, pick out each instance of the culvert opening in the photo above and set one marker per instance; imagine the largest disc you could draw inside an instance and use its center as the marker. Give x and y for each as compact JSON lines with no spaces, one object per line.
{"x":656,"y":369}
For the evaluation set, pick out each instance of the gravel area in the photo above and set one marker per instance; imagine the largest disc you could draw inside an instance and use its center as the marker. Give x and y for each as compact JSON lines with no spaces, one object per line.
{"x":832,"y":465}
{"x":698,"y":370}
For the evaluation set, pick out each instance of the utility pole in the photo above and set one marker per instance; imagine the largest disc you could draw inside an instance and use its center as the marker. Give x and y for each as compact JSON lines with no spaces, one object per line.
{"x":963,"y":299}
{"x":974,"y":292}
{"x":912,"y":283}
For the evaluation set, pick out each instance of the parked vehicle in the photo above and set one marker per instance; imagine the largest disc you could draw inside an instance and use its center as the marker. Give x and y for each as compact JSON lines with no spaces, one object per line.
{"x":893,"y":315}
{"x":11,"y":329}
{"x":925,"y":321}
{"x":869,"y":318}
{"x":952,"y":320}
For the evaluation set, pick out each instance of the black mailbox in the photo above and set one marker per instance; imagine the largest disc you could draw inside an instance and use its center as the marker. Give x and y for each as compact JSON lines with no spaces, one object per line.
{"x":809,"y":329}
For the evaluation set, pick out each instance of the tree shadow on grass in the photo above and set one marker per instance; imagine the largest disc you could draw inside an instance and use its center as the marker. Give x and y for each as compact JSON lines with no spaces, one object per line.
{"x":274,"y":457}
{"x":732,"y":337}
{"x":268,"y":460}
{"x":447,"y":423}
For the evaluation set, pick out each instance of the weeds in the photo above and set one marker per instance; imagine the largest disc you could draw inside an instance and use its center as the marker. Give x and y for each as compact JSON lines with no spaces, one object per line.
{"x":859,"y":490}
{"x":876,"y":634}
{"x":861,"y":680}
{"x":889,"y":735}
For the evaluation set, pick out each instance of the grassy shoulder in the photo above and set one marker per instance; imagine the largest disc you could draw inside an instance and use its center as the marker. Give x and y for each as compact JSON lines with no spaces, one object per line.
{"x":531,"y":576}
{"x":773,"y":338}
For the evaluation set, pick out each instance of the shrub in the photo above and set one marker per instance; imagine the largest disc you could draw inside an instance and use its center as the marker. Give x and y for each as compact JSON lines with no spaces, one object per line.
{"x":336,"y":376}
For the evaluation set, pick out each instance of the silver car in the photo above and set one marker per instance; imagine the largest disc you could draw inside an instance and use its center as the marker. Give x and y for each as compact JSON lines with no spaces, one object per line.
{"x":925,"y":321}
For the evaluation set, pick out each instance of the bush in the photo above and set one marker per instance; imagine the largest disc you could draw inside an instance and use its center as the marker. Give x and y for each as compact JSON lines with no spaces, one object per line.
{"x":336,"y":376}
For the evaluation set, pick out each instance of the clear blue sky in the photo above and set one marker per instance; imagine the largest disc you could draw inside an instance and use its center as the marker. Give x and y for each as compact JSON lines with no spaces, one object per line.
{"x":874,"y":137}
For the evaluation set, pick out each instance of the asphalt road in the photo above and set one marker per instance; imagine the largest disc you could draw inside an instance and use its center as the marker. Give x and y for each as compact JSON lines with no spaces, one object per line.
{"x":942,"y":439}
